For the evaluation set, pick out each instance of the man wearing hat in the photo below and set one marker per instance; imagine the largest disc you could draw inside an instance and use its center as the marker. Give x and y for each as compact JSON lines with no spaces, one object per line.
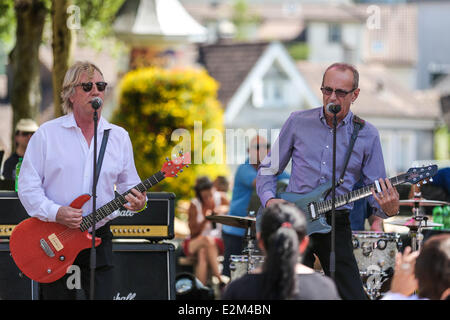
{"x":24,"y":130}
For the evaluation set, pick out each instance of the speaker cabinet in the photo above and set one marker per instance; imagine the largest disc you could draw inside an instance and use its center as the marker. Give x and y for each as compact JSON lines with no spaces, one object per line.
{"x":13,"y":284}
{"x":143,"y":270}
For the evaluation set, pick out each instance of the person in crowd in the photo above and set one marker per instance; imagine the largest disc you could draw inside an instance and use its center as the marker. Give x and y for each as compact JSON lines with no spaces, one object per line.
{"x":205,"y":241}
{"x":241,"y":201}
{"x":283,"y":240}
{"x":306,"y":139}
{"x":58,"y":167}
{"x":24,"y":130}
{"x":422,"y":274}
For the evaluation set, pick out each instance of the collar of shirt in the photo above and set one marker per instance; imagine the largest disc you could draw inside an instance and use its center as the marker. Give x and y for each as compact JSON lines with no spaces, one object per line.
{"x":344,"y":122}
{"x":69,"y":122}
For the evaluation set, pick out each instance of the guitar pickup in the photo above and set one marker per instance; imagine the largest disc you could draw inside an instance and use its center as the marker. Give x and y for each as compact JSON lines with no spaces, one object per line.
{"x":48,"y":251}
{"x":55,"y":242}
{"x":312,"y":211}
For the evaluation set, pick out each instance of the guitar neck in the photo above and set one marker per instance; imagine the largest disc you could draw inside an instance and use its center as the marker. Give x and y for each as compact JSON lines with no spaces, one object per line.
{"x":113,"y":205}
{"x":325,"y":206}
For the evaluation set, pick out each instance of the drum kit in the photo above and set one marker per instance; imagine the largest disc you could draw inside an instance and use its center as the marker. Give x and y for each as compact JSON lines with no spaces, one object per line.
{"x":251,"y":257}
{"x":374,"y":251}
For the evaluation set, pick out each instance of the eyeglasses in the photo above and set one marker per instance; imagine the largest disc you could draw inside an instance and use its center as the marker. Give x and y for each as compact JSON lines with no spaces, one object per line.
{"x":87,"y":86}
{"x":339,"y":92}
{"x":24,"y":133}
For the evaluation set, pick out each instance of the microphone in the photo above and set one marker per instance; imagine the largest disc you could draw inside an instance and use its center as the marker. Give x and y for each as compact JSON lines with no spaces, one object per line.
{"x":96,"y":103}
{"x":333,"y":108}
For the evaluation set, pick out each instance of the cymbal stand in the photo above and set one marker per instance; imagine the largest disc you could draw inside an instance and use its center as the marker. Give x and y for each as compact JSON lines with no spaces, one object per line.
{"x":250,"y":247}
{"x":415,"y":232}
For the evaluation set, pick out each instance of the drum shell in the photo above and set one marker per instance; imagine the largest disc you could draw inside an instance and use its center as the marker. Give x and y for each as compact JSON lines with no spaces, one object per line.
{"x":239,"y":265}
{"x":375,"y":251}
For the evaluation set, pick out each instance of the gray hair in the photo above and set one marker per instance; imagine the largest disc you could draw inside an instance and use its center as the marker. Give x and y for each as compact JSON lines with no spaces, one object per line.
{"x":72,"y":78}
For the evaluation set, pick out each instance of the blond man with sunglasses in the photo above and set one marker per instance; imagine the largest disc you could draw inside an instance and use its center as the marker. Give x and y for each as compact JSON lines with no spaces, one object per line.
{"x":58,"y":168}
{"x":307,"y":139}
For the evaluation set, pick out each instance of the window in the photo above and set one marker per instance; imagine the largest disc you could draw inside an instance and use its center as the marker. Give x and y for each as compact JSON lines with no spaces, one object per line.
{"x":334,"y":33}
{"x":273,"y":91}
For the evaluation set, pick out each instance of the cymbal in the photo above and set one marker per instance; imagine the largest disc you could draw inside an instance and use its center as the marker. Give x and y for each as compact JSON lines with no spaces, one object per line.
{"x":412,"y":223}
{"x":423,"y":203}
{"x":234,"y":221}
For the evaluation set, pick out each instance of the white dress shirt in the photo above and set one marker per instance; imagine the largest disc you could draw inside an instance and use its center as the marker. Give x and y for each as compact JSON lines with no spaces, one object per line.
{"x":58,"y":167}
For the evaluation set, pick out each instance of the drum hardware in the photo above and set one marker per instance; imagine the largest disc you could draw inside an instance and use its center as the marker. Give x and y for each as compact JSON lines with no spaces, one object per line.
{"x":375,"y":255}
{"x":418,"y":221}
{"x":250,"y":248}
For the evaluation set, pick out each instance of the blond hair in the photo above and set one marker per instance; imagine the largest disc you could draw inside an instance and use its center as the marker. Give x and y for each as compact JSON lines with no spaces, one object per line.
{"x":72,"y":78}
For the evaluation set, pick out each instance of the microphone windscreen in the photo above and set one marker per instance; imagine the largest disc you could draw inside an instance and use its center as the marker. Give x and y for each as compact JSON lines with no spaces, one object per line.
{"x":96,"y":103}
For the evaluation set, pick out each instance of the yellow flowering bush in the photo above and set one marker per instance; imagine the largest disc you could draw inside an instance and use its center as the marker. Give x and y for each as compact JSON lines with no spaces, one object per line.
{"x":155,"y":104}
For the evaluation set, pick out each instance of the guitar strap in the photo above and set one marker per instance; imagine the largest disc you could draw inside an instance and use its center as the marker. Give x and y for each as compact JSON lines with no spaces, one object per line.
{"x":101,"y":154}
{"x":358,"y":124}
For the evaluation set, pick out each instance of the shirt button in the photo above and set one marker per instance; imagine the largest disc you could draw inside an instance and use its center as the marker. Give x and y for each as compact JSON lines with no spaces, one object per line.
{"x":326,"y":147}
{"x":323,"y":162}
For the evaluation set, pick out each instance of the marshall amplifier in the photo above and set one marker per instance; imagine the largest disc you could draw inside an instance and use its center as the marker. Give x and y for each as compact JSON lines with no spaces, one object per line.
{"x":154,"y":223}
{"x":11,"y":212}
{"x":14,"y":285}
{"x":143,"y":270}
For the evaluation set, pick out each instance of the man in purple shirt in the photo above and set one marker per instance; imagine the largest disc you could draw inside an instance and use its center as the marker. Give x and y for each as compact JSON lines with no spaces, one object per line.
{"x":307,"y":139}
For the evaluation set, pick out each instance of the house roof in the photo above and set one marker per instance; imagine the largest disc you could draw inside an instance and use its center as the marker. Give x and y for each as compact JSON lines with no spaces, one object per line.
{"x":162,"y":21}
{"x":229,"y":64}
{"x":381,"y":95}
{"x":390,"y":30}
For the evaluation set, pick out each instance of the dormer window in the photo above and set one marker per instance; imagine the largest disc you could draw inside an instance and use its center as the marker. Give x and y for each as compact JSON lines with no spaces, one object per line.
{"x":271,"y":92}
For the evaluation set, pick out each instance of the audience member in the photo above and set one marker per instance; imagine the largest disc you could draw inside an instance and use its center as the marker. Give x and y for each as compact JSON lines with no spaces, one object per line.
{"x":24,"y":130}
{"x":283,"y":277}
{"x":244,"y":190}
{"x":205,"y":242}
{"x":427,"y":272}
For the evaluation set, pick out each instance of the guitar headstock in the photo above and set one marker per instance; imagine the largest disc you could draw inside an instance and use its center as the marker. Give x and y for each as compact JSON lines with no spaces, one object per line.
{"x":171,"y":167}
{"x":421,"y":174}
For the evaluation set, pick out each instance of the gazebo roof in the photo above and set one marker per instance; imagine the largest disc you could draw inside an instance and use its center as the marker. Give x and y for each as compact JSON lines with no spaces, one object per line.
{"x":144,"y":22}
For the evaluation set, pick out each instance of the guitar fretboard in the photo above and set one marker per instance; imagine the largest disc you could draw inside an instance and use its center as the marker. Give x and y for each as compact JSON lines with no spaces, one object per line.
{"x":326,"y":205}
{"x":113,"y":205}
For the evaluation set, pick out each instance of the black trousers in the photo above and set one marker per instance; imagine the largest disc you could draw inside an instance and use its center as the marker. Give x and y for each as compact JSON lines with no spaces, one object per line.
{"x":347,"y":277}
{"x":67,"y":288}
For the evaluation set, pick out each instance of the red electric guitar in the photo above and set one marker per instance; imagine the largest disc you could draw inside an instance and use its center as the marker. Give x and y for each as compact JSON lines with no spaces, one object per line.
{"x":44,"y":250}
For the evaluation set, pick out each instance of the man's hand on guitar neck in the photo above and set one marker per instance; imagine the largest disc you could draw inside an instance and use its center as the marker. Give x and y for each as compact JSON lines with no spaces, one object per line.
{"x":387,"y":197}
{"x":136,"y":200}
{"x":70,"y":217}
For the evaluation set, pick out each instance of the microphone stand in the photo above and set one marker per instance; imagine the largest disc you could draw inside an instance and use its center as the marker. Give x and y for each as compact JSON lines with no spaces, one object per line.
{"x":93,"y":256}
{"x":333,"y":204}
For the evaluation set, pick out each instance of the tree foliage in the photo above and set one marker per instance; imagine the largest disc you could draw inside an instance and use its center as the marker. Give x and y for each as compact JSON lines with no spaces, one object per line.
{"x":153,"y":104}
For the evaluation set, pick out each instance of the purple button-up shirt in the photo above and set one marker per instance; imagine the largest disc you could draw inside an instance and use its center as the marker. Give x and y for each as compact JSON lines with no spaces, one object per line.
{"x":307,"y":139}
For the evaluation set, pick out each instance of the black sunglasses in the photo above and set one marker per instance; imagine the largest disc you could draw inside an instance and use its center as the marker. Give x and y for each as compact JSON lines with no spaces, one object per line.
{"x":339,"y":92}
{"x":24,"y":133}
{"x":87,"y":86}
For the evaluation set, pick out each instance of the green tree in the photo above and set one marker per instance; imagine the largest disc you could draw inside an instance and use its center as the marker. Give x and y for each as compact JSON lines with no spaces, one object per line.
{"x":21,"y":27}
{"x":155,"y":105}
